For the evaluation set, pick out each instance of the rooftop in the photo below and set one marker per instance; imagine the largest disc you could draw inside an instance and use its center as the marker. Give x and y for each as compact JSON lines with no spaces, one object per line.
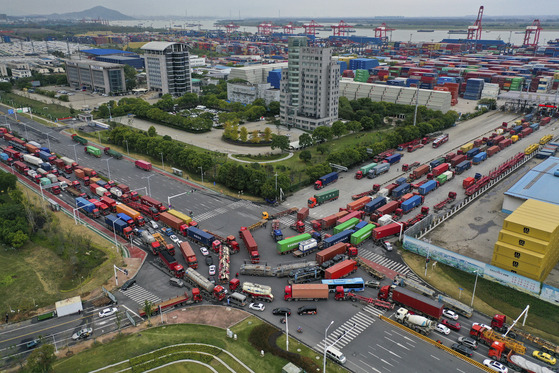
{"x":157,"y":45}
{"x":104,"y":52}
{"x":539,"y":183}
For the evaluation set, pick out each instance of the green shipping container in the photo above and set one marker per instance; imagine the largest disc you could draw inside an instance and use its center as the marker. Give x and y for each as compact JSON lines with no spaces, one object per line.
{"x":346,"y":225}
{"x":327,"y":195}
{"x":93,"y":151}
{"x":362,"y":234}
{"x":441,"y":179}
{"x":291,"y":243}
{"x":79,"y":139}
{"x":365,"y":169}
{"x":114,"y":154}
{"x":45,"y":181}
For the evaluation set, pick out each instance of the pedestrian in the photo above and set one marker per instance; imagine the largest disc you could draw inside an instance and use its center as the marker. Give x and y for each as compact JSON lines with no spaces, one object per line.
{"x":190,"y":212}
{"x":7,"y":317}
{"x":237,"y":274}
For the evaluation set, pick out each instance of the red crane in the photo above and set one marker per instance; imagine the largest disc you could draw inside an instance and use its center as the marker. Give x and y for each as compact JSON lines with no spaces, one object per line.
{"x":231,"y":27}
{"x":266,"y":28}
{"x":474,"y":32}
{"x":289,"y":28}
{"x":380,"y":31}
{"x":341,"y":29}
{"x":310,"y":28}
{"x":534,"y":29}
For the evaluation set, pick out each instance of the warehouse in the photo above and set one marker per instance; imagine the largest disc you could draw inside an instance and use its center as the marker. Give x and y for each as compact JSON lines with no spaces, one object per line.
{"x":539,"y":183}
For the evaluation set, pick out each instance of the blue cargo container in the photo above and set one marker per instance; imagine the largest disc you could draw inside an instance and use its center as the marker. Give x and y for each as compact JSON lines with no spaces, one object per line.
{"x":125,"y":218}
{"x":46,"y":157}
{"x":378,"y":169}
{"x":411,"y":203}
{"x":4,"y":157}
{"x":339,"y":237}
{"x":480,"y":157}
{"x":543,"y":154}
{"x":435,"y":163}
{"x":45,"y":149}
{"x":535,"y":126}
{"x":200,"y":236}
{"x":46,"y":166}
{"x":517,"y":129}
{"x":374,"y":204}
{"x":325,"y":180}
{"x":401,"y":190}
{"x":115,"y":223}
{"x":102,"y":183}
{"x":463,"y":166}
{"x":85,"y":205}
{"x":472,"y":153}
{"x":360,"y":225}
{"x":401,"y":180}
{"x":394,"y":158}
{"x":528,"y":117}
{"x":427,"y":187}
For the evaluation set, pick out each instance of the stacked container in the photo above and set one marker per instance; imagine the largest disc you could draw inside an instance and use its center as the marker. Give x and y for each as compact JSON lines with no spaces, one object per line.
{"x":474,"y":87}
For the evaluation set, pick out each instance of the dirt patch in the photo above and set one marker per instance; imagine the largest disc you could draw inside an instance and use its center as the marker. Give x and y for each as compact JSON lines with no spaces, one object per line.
{"x":44,"y":264}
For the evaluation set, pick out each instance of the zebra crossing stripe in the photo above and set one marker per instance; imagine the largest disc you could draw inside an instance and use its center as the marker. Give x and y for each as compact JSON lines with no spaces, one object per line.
{"x":140,"y":295}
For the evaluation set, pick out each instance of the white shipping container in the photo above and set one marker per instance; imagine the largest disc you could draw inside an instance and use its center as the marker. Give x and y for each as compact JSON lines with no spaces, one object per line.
{"x":69,"y":306}
{"x":100,"y":191}
{"x":32,"y":159}
{"x":449,"y":175}
{"x":384,"y":220}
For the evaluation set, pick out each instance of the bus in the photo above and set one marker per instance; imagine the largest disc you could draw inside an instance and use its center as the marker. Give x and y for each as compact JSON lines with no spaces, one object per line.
{"x":349,"y":284}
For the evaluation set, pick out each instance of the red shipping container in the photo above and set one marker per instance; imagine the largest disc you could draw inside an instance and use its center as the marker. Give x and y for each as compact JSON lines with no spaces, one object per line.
{"x":389,"y":208}
{"x":526,"y":131}
{"x":303,"y":213}
{"x":493,"y":150}
{"x":503,"y":144}
{"x":468,"y":182}
{"x":359,"y":204}
{"x":440,"y":169}
{"x":387,"y":230}
{"x":340,"y":270}
{"x":498,"y":139}
{"x":351,"y":215}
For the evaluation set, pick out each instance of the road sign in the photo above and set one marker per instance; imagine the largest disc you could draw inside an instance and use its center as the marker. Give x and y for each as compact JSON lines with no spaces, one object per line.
{"x":108,"y":294}
{"x":129,"y":317}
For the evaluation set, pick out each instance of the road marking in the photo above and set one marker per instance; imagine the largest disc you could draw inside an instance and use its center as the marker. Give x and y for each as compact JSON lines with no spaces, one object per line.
{"x":434,"y":357}
{"x":460,"y":370}
{"x":371,"y":367}
{"x":397,"y":343}
{"x":40,"y":330}
{"x":390,"y":352}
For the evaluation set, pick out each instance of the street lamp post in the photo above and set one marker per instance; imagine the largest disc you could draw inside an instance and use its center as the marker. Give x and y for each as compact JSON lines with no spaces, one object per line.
{"x":325,"y":336}
{"x":48,"y":139}
{"x":75,"y":153}
{"x":108,"y":169}
{"x":202,"y":173}
{"x":474,"y":292}
{"x":149,"y":185}
{"x":162,"y":163}
{"x":126,"y":141}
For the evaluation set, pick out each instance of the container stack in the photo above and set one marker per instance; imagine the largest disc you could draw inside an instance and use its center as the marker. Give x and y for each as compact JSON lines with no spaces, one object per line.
{"x":490,"y":90}
{"x":544,"y":84}
{"x":361,"y":75}
{"x":274,"y":78}
{"x":516,"y":84}
{"x":363,"y":64}
{"x":528,"y":244}
{"x":473,"y":89}
{"x":343,"y":66}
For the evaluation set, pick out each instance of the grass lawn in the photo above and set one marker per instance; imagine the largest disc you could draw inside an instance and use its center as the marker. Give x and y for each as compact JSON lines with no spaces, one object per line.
{"x":490,"y":298}
{"x":183,"y":368}
{"x":260,"y":158}
{"x":39,"y":108}
{"x":126,"y":347}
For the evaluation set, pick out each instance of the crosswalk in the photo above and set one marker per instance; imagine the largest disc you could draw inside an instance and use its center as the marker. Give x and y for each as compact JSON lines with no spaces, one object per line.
{"x":222,"y":210}
{"x":389,"y":263}
{"x":289,"y":220}
{"x":352,"y":328}
{"x":139,"y":295}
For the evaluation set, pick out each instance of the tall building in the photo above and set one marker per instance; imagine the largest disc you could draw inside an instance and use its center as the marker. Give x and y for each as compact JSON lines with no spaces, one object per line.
{"x":96,"y":76}
{"x":167,"y":67}
{"x":309,"y":88}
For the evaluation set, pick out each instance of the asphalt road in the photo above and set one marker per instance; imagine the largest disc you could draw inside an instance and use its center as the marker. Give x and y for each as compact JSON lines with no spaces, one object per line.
{"x":224,"y":216}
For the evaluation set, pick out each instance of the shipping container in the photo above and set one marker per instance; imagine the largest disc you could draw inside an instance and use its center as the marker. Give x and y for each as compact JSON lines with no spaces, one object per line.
{"x":330,"y":252}
{"x":358,"y":204}
{"x":388,"y":208}
{"x":289,"y":244}
{"x":412,"y":203}
{"x":463,"y":166}
{"x":346,"y":225}
{"x":361,"y":235}
{"x":458,"y":159}
{"x":387,"y":230}
{"x":467,"y":147}
{"x":340,"y":270}
{"x":427,"y":187}
{"x":443,"y":167}
{"x":374,"y":205}
{"x":418,"y":302}
{"x":493,"y":150}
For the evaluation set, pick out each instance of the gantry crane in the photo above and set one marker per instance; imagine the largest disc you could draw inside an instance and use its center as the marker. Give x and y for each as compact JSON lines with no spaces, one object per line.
{"x":474,"y":32}
{"x":310,"y":28}
{"x":534,"y":29}
{"x":341,"y":29}
{"x":289,"y":28}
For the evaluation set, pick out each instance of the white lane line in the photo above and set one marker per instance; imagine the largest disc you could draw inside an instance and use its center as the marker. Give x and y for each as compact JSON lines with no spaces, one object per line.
{"x":434,"y":357}
{"x":371,"y":367}
{"x":397,"y":343}
{"x":390,"y":352}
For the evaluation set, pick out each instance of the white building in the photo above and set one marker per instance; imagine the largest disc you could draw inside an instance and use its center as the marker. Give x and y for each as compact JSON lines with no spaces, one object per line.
{"x":96,"y":76}
{"x":167,"y":67}
{"x":16,"y":74}
{"x":255,"y":74}
{"x":246,"y":93}
{"x":196,"y":61}
{"x":309,"y":86}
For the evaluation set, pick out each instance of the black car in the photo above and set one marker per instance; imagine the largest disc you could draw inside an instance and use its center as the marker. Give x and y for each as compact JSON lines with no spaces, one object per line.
{"x":281,"y":311}
{"x":462,"y":349}
{"x":209,"y":260}
{"x":128,"y":284}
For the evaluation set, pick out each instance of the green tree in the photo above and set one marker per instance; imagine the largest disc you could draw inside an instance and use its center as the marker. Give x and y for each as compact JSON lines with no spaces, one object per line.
{"x":305,"y":156}
{"x":354,"y":126}
{"x":5,"y":86}
{"x":152,"y":132}
{"x":255,"y":137}
{"x":274,"y":108}
{"x":322,"y":133}
{"x":339,"y":128}
{"x":243,"y":136}
{"x":305,"y":140}
{"x":267,"y":134}
{"x":323,"y":148}
{"x":280,"y":142}
{"x":42,"y":359}
{"x":130,"y":77}
{"x":148,"y":306}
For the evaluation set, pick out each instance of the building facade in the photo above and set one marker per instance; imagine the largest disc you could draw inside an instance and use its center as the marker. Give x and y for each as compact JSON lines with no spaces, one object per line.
{"x":168,"y":67}
{"x":96,"y":76}
{"x":246,"y":93}
{"x":309,"y":87}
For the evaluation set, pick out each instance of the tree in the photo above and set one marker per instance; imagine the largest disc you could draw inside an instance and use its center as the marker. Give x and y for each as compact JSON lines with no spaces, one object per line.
{"x":274,"y":108}
{"x":305,"y":140}
{"x":280,"y":142}
{"x":338,"y":128}
{"x":5,"y":86}
{"x":148,"y":306}
{"x":267,"y":134}
{"x":322,"y":133}
{"x":305,"y":156}
{"x":354,"y":126}
{"x":42,"y":359}
{"x":255,"y":137}
{"x":152,"y":132}
{"x":323,"y":148}
{"x":243,"y":136}
{"x":130,"y":77}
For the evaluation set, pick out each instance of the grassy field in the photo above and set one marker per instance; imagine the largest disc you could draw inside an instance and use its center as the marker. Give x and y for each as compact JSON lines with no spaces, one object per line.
{"x":490,"y":297}
{"x":51,"y":110}
{"x":126,"y":347}
{"x":295,"y":346}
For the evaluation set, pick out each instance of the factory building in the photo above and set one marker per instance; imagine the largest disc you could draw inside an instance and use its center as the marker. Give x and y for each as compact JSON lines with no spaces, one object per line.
{"x":246,"y":93}
{"x":96,"y":76}
{"x":168,"y":67}
{"x":255,"y":74}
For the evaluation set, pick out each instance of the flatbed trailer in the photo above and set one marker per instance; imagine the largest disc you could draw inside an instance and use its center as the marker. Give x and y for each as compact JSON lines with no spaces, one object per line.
{"x":181,"y":300}
{"x":384,"y":271}
{"x":369,"y":268}
{"x":373,"y":301}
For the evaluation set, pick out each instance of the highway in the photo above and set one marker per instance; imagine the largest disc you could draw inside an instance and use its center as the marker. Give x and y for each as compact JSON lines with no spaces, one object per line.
{"x":366,"y":340}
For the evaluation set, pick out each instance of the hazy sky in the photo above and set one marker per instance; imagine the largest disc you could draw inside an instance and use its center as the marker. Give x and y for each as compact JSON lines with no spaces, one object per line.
{"x":286,"y":8}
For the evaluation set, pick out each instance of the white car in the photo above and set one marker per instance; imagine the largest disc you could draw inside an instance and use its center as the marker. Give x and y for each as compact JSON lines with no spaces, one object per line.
{"x":204,"y":251}
{"x":257,"y":306}
{"x":108,"y":312}
{"x":82,"y":333}
{"x":442,"y":329}
{"x":487,"y":327}
{"x":495,"y":365}
{"x":212,"y":270}
{"x":174,"y":238}
{"x":153,"y":224}
{"x":450,"y":314}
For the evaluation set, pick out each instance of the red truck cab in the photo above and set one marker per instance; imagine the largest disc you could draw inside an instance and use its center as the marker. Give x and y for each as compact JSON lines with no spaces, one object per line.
{"x":234,"y":284}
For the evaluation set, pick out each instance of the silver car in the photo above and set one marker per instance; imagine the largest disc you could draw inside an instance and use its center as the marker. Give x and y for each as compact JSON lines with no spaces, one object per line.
{"x":82,"y":334}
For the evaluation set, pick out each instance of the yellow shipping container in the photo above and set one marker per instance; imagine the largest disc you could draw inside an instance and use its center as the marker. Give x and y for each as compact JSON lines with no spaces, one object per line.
{"x":534,"y":219}
{"x":544,"y":140}
{"x":518,"y":122}
{"x":530,"y":149}
{"x":524,"y":269}
{"x":185,"y":218}
{"x":467,"y":147}
{"x":520,"y":255}
{"x":519,"y":240}
{"x":514,"y":138}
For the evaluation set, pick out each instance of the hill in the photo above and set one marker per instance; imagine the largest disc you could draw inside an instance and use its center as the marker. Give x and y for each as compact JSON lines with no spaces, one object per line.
{"x":98,"y":12}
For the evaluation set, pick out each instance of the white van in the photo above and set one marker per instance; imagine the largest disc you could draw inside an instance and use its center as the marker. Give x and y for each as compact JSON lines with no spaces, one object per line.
{"x":336,"y":355}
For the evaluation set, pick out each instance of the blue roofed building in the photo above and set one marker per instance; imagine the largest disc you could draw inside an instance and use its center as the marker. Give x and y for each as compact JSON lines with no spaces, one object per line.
{"x":115,"y":56}
{"x":540,"y":183}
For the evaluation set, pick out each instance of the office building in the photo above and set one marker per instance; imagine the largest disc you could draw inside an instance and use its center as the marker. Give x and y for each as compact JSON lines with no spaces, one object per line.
{"x":246,"y":93}
{"x":167,"y":67}
{"x":309,"y":88}
{"x":96,"y":76}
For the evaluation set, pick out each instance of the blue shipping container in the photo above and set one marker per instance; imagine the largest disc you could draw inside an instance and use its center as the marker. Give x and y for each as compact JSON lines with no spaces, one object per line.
{"x":361,"y":224}
{"x":200,"y":236}
{"x":401,"y":190}
{"x":435,"y":163}
{"x":411,"y":203}
{"x":463,"y":166}
{"x":427,"y":187}
{"x":125,"y":218}
{"x":339,"y":237}
{"x":374,"y":204}
{"x":480,"y":157}
{"x":471,"y":153}
{"x":394,"y":158}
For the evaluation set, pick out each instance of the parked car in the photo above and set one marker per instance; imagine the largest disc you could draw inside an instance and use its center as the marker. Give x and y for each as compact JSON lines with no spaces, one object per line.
{"x":257,"y":306}
{"x":495,"y":365}
{"x":128,"y":284}
{"x":82,"y":334}
{"x":462,"y":349}
{"x":454,"y":325}
{"x":281,"y":311}
{"x":545,"y":357}
{"x":387,"y":245}
{"x":211,"y":270}
{"x":108,"y":312}
{"x":174,"y":238}
{"x":176,"y":282}
{"x":450,"y":314}
{"x":204,"y":251}
{"x":209,"y":261}
{"x":442,"y":329}
{"x":468,"y":342}
{"x":153,"y":224}
{"x":372,"y":284}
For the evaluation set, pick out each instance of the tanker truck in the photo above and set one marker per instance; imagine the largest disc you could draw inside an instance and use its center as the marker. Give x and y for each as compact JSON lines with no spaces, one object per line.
{"x":418,"y":323}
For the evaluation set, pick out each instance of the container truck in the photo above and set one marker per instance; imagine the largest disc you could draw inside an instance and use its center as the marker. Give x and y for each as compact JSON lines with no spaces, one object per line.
{"x":118,"y":226}
{"x":199,"y":236}
{"x":171,"y":264}
{"x":374,"y":205}
{"x":341,"y":269}
{"x":258,"y":292}
{"x":411,"y":203}
{"x":378,"y":170}
{"x":463,"y":166}
{"x":47,"y":157}
{"x":173,"y":222}
{"x":329,"y":221}
{"x":303,"y":292}
{"x":144,"y":165}
{"x":306,"y":247}
{"x":389,"y":208}
{"x":103,"y":209}
{"x":79,"y":139}
{"x":12,"y":153}
{"x":90,"y":172}
{"x":443,"y":167}
{"x":472,"y":153}
{"x":410,"y":299}
{"x":81,"y":176}
{"x":322,"y":197}
{"x":358,"y":204}
{"x":440,"y":140}
{"x":415,"y":322}
{"x":325,"y":180}
{"x":505,"y":143}
{"x":31,"y":159}
{"x":479,"y":157}
{"x":399,"y":191}
{"x":292,"y":243}
{"x":250,"y":245}
{"x":340,"y":237}
{"x":305,"y":275}
{"x":339,"y":248}
{"x":387,"y":230}
{"x":96,"y":152}
{"x":217,"y":292}
{"x":150,"y":242}
{"x":125,"y":218}
{"x":112,"y":153}
{"x":361,"y":235}
{"x":419,"y":172}
{"x":457,"y":160}
{"x":346,"y":225}
{"x":138,"y":218}
{"x":363,"y":171}
{"x":428,"y":187}
{"x":151,"y":202}
{"x":394,"y":158}
{"x":185,"y":218}
{"x":257,"y":270}
{"x":283,"y":270}
{"x":351,"y":215}
{"x":87,"y":207}
{"x":142,"y":209}
{"x":111,"y":203}
{"x":188,"y":254}
{"x":178,"y":301}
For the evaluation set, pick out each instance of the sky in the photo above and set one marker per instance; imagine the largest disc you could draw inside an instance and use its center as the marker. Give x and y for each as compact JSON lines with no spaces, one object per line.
{"x":288,"y":8}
